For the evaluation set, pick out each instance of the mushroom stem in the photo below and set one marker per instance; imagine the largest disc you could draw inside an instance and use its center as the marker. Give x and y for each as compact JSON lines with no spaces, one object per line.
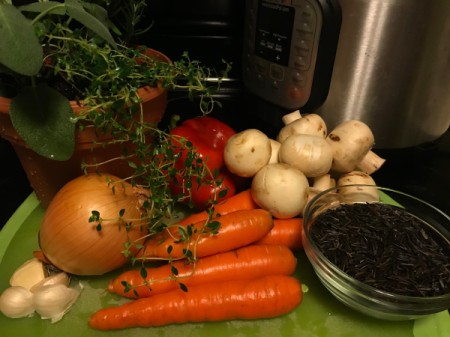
{"x":275,"y":147}
{"x":323,"y":182}
{"x":290,"y":117}
{"x":370,"y":163}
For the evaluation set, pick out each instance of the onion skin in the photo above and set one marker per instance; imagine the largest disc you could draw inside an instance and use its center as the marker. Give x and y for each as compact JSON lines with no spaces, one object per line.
{"x":73,"y":244}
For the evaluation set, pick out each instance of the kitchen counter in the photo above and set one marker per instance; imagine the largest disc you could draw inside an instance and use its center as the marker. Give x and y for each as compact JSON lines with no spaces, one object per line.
{"x":423,"y":171}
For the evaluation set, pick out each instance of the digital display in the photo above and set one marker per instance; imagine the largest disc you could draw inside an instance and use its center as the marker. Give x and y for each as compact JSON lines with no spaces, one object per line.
{"x":274,"y":32}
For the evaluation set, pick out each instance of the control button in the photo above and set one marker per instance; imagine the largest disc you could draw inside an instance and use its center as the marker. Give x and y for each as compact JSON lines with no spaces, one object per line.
{"x":301,"y":63}
{"x":297,"y":95}
{"x":306,"y":27}
{"x":275,"y":84}
{"x":302,"y":44}
{"x":299,"y":79}
{"x":276,"y":72}
{"x":260,"y":79}
{"x":260,"y":67}
{"x":308,"y":12}
{"x":307,"y":36}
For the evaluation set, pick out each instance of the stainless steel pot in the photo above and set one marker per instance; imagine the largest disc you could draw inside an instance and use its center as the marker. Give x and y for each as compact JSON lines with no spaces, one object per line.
{"x":392,"y":70}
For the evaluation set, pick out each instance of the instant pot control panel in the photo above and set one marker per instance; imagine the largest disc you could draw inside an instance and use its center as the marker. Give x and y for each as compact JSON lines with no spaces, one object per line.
{"x":283,"y":42}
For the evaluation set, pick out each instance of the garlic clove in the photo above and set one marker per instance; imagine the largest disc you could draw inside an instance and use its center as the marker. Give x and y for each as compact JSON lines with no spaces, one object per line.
{"x":17,"y":302}
{"x":54,"y":301}
{"x":28,"y":274}
{"x":59,"y":278}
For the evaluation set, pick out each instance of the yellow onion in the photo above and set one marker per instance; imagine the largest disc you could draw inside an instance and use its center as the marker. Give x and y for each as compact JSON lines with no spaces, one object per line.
{"x":77,"y":245}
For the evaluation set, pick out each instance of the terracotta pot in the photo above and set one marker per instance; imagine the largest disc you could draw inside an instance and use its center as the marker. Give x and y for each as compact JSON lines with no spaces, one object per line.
{"x":47,"y":176}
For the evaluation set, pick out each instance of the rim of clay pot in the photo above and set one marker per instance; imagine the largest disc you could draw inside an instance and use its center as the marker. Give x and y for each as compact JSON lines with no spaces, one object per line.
{"x":147,"y":93}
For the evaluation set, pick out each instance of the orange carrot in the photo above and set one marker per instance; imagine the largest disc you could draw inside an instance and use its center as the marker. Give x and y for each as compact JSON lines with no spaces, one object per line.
{"x":245,"y":263}
{"x":240,"y":201}
{"x":237,"y":229}
{"x":287,"y":232}
{"x":264,"y":297}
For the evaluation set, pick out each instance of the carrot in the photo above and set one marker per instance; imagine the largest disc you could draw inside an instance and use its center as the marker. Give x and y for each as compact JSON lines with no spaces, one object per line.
{"x":240,"y":201}
{"x":264,"y":297}
{"x":237,"y":229}
{"x":245,"y":263}
{"x":287,"y":232}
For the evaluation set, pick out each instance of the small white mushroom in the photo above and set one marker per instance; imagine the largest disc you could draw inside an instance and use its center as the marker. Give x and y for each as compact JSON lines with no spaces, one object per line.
{"x":310,"y":154}
{"x":360,"y":193}
{"x":246,"y":152}
{"x":350,"y":142}
{"x":281,"y":189}
{"x":311,"y":124}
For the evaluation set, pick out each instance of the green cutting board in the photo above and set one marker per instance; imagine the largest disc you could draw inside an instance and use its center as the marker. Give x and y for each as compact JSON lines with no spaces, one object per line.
{"x":319,"y":315}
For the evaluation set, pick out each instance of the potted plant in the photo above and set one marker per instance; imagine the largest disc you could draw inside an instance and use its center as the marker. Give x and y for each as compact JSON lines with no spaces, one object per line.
{"x":74,"y":96}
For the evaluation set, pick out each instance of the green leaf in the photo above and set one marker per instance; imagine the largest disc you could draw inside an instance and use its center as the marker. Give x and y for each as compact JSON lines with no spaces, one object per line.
{"x":95,"y":216}
{"x":41,"y":116}
{"x":183,"y":287}
{"x":214,"y":226}
{"x":101,"y":14}
{"x":143,"y":272}
{"x":76,"y":10}
{"x":20,"y":49}
{"x":52,"y":7}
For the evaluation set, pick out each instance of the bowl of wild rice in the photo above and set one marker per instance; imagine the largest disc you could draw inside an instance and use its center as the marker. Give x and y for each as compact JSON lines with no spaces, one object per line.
{"x":379,"y":251}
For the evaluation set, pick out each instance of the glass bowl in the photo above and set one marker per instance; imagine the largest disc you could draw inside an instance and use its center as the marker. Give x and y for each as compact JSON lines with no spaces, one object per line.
{"x":362,"y":262}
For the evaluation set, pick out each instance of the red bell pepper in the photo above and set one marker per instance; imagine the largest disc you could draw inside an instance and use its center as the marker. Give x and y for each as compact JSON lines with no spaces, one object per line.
{"x":208,"y":137}
{"x":210,"y":189}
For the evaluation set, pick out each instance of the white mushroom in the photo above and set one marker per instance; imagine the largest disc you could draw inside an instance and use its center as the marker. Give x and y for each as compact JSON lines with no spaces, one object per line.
{"x":311,"y":124}
{"x":246,"y":152}
{"x":350,"y":141}
{"x":360,"y":193}
{"x":310,"y":154}
{"x":281,"y":189}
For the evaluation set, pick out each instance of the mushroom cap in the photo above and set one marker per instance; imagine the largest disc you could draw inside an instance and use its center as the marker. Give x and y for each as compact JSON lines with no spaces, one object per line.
{"x":246,"y":152}
{"x":311,"y":124}
{"x":281,"y":189}
{"x":350,"y":141}
{"x":309,"y":153}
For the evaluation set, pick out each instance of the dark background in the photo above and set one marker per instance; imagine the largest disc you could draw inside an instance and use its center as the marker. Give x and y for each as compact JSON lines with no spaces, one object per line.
{"x":211,"y":31}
